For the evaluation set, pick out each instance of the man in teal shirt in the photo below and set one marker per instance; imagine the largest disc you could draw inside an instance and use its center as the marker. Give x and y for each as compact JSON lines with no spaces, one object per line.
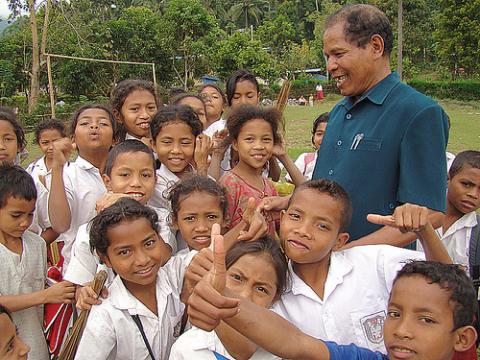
{"x":385,"y":142}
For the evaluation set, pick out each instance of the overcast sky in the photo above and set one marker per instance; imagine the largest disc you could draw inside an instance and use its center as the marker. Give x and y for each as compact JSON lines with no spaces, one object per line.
{"x":4,"y":12}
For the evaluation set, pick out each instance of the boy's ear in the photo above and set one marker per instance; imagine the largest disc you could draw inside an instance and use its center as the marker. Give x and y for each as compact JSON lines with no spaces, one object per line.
{"x":282,"y":214}
{"x":174,"y":223}
{"x":342,"y":239}
{"x":104,"y":259}
{"x":465,"y":338}
{"x":106,"y":180}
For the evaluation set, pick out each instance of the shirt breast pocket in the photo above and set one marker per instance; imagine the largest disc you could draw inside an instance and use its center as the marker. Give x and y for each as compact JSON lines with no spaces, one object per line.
{"x":367,"y":144}
{"x":368,"y":327}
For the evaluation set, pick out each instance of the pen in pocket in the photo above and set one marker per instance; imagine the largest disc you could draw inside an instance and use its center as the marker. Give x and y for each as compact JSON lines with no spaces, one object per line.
{"x":356,"y":141}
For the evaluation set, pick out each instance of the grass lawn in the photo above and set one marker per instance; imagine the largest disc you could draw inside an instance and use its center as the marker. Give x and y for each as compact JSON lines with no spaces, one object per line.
{"x":464,"y":132}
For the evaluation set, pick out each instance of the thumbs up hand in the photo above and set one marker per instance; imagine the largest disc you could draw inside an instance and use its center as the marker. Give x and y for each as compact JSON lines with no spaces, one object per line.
{"x":406,"y":218}
{"x":207,"y":305}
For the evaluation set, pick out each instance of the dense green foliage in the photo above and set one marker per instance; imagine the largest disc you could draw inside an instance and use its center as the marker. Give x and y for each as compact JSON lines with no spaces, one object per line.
{"x":458,"y":90}
{"x":189,"y":38}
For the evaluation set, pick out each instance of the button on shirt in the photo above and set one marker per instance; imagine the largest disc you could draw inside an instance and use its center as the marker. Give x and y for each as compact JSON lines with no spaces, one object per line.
{"x":354,"y":305}
{"x":386,"y":149}
{"x":111,"y":333}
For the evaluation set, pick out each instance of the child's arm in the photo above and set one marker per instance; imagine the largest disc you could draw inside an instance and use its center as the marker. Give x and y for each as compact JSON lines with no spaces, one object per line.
{"x":62,"y":292}
{"x":49,"y":235}
{"x":274,"y":170}
{"x":415,"y":218}
{"x":265,"y":328}
{"x":58,"y":206}
{"x":219,"y":148}
{"x":203,"y":145}
{"x":280,"y":153}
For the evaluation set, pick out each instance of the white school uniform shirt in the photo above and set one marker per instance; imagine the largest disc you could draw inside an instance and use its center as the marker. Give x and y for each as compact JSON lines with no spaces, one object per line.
{"x":38,"y":169}
{"x":111,"y":333}
{"x":457,"y":238}
{"x":23,"y":275}
{"x":306,"y":170}
{"x":83,"y":187}
{"x":199,"y":345}
{"x":354,"y":305}
{"x":218,"y":125}
{"x":165,"y":180}
{"x":83,"y":263}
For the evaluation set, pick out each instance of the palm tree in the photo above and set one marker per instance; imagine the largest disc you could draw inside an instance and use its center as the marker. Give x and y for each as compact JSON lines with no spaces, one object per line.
{"x":250,"y":9}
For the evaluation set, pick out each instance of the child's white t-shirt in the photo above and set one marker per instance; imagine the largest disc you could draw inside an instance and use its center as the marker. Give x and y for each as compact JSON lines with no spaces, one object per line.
{"x":23,"y":275}
{"x":83,"y":187}
{"x":354,"y":305}
{"x":216,"y":126}
{"x":111,"y":333}
{"x":199,"y":345}
{"x":305,"y":168}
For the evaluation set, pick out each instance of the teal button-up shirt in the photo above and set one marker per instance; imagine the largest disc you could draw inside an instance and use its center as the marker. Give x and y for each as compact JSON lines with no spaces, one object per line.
{"x":386,"y":149}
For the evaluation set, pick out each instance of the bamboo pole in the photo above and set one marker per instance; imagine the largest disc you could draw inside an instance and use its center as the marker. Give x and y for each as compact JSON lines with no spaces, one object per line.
{"x":154,"y":79}
{"x":50,"y":86}
{"x":99,"y":60}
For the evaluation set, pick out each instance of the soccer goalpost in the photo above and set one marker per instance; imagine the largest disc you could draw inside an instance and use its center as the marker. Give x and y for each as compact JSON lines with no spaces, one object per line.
{"x":50,"y":77}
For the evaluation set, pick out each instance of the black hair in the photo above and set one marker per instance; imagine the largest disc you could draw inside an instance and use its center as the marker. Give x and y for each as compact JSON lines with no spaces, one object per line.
{"x":174,"y":92}
{"x":177,"y":100}
{"x":335,"y":191}
{"x":237,"y":76}
{"x":127,"y":146}
{"x":244,"y":113}
{"x":6,"y":114}
{"x":15,"y":182}
{"x":78,"y":113}
{"x":4,"y":310}
{"x":322,"y":118}
{"x":196,"y":183}
{"x":266,"y":245}
{"x":172,"y":114}
{"x":361,"y":22}
{"x":125,"y":209}
{"x":217,"y":88}
{"x":451,"y":278}
{"x":465,"y":158}
{"x":50,"y":124}
{"x":119,"y":94}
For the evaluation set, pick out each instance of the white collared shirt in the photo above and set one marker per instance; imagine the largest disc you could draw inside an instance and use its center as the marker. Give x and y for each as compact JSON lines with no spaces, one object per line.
{"x":218,"y":125}
{"x":83,"y":187}
{"x":111,"y":333}
{"x":457,"y":238}
{"x":199,"y":345}
{"x":354,"y":305}
{"x":38,"y":169}
{"x":83,"y":263}
{"x":165,"y":180}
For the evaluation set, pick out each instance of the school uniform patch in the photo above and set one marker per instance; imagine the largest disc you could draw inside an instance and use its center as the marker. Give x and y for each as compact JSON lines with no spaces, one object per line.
{"x":372,"y":326}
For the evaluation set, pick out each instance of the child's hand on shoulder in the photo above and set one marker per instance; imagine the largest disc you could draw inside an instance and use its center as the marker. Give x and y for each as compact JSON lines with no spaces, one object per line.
{"x":406,"y":218}
{"x":86,"y":297}
{"x":219,"y":145}
{"x":62,"y":148}
{"x":60,"y":293}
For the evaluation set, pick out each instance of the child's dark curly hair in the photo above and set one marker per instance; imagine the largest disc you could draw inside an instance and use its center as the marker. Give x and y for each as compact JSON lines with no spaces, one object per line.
{"x":6,"y":114}
{"x":196,"y":183}
{"x":50,"y":124}
{"x":125,"y":209}
{"x":172,"y":114}
{"x":244,"y":113}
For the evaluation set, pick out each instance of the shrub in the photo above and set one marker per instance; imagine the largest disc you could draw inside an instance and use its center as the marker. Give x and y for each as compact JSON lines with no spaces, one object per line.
{"x":459,"y":89}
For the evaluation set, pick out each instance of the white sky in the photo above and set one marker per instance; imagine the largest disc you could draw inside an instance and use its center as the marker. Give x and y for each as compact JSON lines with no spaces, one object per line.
{"x":4,"y":12}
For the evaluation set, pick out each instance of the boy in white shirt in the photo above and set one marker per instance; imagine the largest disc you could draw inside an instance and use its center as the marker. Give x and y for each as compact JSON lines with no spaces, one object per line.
{"x":342,"y":295}
{"x":142,"y":316}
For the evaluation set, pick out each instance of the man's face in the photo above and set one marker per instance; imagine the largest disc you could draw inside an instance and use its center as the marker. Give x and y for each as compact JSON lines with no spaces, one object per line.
{"x":419,"y":324}
{"x":352,"y":67}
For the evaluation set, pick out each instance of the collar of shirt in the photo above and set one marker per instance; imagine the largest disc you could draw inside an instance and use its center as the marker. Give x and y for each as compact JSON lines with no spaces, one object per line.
{"x":339,"y":267}
{"x":84,"y":164}
{"x":468,"y":220}
{"x":377,"y":94}
{"x":122,"y":299}
{"x":128,"y":136}
{"x":204,"y":340}
{"x":165,"y":175}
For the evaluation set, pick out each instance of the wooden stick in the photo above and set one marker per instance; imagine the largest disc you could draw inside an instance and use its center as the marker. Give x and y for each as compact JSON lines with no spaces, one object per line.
{"x":50,"y":86}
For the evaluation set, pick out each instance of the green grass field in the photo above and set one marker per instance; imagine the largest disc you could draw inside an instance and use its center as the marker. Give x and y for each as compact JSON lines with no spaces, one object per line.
{"x":464,"y":132}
